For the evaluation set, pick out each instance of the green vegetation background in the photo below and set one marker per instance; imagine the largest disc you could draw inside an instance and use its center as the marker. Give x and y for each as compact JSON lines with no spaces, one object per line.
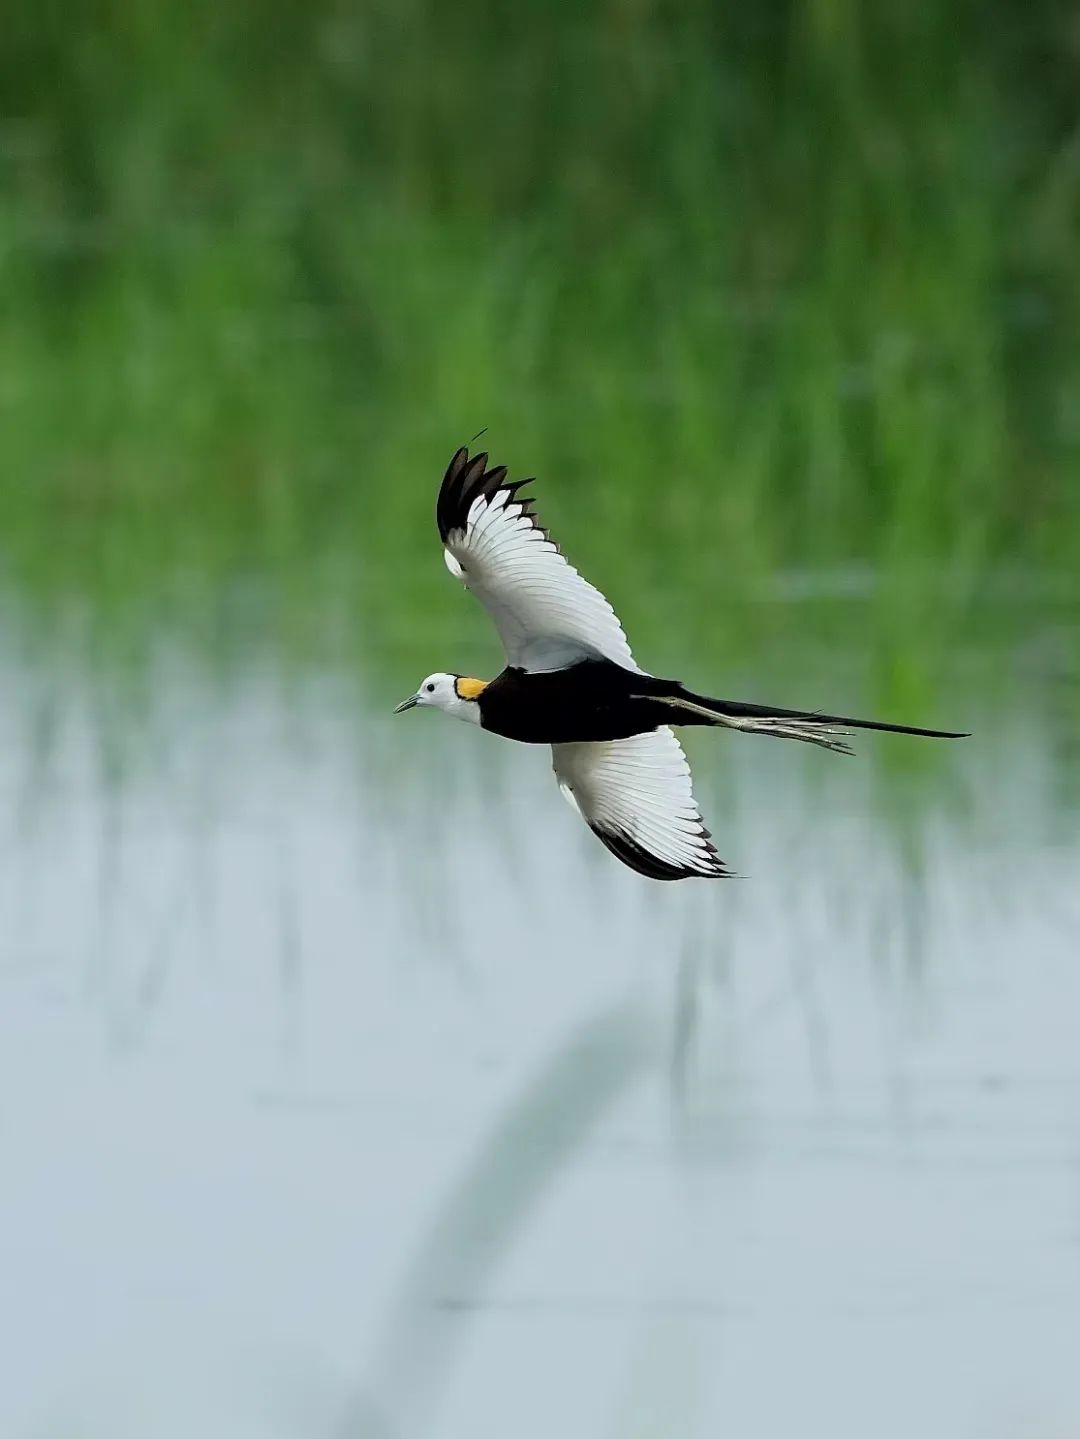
{"x":750,"y":287}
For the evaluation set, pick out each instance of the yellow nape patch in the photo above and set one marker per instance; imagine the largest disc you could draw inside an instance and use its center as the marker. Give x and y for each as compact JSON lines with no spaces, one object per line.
{"x":469,"y":689}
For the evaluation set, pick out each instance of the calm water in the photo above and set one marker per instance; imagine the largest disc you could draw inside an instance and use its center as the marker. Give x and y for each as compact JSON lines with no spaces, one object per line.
{"x":350,"y":1089}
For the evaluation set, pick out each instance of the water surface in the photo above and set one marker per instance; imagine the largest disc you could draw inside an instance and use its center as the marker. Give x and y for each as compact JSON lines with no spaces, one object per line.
{"x":350,"y":1088}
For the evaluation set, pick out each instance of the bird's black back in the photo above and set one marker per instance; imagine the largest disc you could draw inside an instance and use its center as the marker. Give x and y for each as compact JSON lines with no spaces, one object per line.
{"x":591,"y":700}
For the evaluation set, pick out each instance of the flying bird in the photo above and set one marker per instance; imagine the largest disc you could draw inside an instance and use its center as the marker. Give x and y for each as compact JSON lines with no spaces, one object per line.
{"x":571,"y":682}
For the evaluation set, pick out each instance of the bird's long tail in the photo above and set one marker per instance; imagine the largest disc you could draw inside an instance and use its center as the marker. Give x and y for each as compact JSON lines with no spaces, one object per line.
{"x":828,"y":731}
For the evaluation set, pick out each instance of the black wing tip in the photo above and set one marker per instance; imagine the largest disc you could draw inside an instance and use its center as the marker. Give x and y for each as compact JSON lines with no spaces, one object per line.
{"x":637,"y":858}
{"x":467,"y":478}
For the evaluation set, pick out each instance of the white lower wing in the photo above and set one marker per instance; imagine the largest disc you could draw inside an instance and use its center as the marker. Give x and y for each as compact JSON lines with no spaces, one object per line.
{"x":635,"y":795}
{"x":547,"y":615}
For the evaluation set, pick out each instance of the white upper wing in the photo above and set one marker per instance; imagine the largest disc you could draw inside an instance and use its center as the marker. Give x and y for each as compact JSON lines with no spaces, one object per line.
{"x":547,"y":616}
{"x":635,"y":795}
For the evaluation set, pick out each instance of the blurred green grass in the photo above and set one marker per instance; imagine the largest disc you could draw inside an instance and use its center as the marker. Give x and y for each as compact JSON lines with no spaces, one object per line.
{"x":747,"y":287}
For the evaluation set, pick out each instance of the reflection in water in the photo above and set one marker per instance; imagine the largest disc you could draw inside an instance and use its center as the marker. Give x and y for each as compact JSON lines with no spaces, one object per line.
{"x":349,"y":1088}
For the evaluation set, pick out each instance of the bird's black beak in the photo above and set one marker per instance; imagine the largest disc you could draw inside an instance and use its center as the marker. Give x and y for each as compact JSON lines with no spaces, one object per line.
{"x":406,"y":705}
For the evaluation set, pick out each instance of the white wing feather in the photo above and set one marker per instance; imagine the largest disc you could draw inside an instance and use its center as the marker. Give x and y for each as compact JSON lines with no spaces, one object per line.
{"x":636,"y":796}
{"x":546,"y":614}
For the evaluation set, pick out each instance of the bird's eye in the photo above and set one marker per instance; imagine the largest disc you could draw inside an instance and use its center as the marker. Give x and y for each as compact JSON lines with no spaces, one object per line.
{"x":430,"y":689}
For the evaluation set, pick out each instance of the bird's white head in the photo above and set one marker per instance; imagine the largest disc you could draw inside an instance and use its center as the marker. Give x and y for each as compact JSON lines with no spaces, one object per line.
{"x":455,"y":694}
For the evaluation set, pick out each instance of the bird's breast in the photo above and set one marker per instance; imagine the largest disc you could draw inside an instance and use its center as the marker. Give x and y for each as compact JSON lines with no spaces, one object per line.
{"x":588,"y":701}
